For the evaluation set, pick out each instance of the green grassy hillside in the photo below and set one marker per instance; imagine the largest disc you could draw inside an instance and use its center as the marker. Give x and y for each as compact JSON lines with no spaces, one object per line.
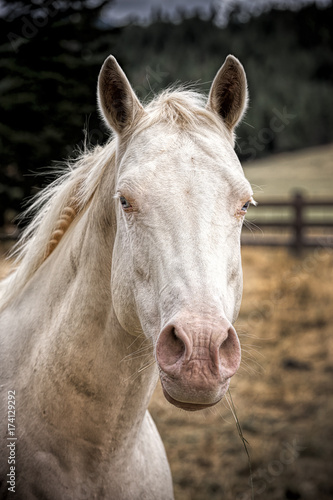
{"x":279,"y":176}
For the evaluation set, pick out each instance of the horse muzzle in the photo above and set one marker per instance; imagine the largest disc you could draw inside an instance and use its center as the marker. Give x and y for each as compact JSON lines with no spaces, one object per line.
{"x":197,"y":356}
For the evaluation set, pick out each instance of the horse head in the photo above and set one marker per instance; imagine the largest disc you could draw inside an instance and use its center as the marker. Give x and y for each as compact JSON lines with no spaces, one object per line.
{"x":181,"y":197}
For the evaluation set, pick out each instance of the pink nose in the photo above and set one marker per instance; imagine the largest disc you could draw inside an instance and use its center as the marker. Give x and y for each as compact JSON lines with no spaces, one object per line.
{"x":197,"y":357}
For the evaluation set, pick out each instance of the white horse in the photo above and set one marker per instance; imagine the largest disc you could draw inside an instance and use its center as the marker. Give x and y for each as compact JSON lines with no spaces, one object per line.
{"x":130,"y":269}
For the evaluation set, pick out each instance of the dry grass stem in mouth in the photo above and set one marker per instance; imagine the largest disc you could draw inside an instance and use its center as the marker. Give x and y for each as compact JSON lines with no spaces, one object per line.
{"x":240,"y":432}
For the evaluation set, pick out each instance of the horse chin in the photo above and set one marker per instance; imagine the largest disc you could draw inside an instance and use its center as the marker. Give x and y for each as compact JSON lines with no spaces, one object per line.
{"x":185,"y":405}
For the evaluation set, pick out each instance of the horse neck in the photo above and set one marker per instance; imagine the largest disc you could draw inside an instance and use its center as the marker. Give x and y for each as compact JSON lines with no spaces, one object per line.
{"x":81,"y":364}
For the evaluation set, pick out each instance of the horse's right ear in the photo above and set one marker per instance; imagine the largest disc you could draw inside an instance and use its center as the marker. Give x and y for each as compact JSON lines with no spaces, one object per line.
{"x":117,"y":101}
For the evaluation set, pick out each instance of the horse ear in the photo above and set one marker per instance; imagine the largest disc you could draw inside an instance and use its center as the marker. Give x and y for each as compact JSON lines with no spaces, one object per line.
{"x":116,"y":98}
{"x":228,"y":93}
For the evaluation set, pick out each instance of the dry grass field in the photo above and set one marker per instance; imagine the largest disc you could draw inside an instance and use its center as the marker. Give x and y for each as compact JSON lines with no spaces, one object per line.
{"x":283,"y":390}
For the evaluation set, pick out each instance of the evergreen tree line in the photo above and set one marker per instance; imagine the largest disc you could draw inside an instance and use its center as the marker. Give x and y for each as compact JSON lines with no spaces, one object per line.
{"x":51,"y":57}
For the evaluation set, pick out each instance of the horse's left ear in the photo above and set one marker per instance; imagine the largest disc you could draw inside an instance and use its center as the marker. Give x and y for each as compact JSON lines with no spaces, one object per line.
{"x":117,"y":101}
{"x":228,"y":93}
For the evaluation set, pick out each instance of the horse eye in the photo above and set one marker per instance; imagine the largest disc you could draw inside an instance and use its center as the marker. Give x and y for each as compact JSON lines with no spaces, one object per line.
{"x":124,"y":203}
{"x":245,"y":206}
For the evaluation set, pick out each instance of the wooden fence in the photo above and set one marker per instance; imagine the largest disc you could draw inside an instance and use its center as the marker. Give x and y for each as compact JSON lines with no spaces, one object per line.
{"x":298,"y":224}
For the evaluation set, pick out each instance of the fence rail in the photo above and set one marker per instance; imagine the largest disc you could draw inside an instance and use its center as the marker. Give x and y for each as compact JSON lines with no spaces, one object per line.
{"x":298,"y":224}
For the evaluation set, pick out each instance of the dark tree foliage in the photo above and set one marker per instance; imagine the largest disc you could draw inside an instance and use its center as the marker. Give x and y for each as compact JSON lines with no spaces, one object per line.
{"x":50,"y":60}
{"x":52,"y":52}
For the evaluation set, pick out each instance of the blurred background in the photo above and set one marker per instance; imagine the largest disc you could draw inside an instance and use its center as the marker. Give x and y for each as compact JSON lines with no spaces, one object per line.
{"x":51,"y":54}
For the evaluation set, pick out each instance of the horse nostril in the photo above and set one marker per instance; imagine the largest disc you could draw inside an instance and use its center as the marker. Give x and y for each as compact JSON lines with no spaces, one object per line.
{"x":170,"y":347}
{"x":229,"y":353}
{"x":178,"y":346}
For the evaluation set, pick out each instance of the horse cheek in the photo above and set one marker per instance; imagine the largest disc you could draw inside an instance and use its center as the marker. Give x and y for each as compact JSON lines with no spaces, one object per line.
{"x":122,"y":296}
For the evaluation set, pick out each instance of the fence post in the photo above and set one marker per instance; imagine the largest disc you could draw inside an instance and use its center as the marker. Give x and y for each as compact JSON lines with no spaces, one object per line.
{"x":298,"y":223}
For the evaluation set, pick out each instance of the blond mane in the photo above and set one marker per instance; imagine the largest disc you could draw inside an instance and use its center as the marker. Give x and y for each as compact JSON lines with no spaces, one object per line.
{"x":57,"y":205}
